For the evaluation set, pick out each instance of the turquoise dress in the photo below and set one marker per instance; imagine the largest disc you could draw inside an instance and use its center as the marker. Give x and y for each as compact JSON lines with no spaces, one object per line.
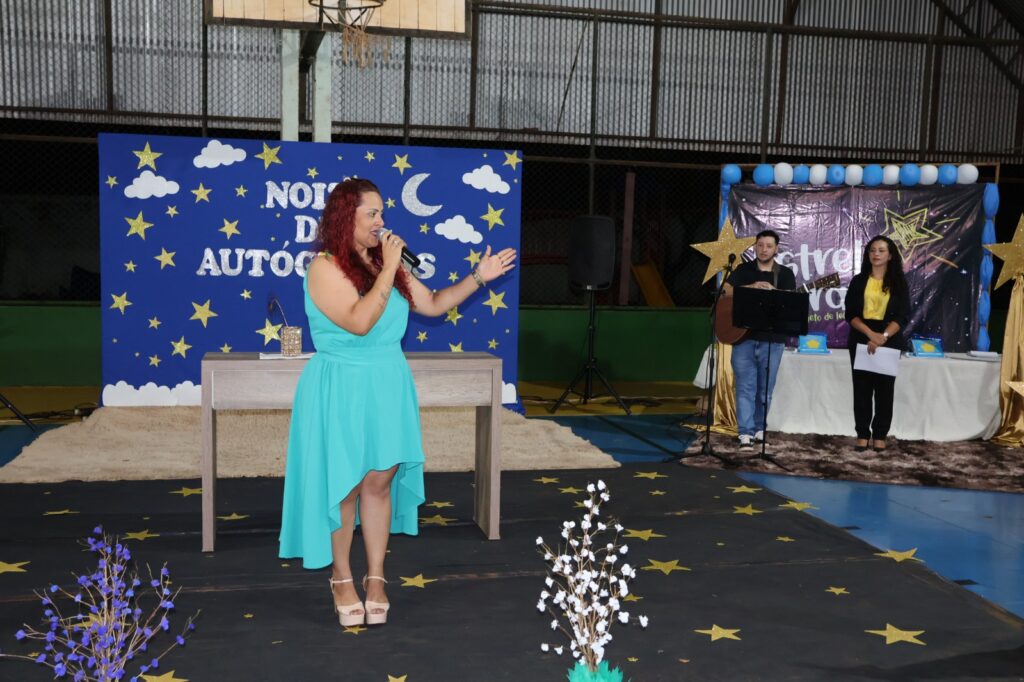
{"x":355,"y":411}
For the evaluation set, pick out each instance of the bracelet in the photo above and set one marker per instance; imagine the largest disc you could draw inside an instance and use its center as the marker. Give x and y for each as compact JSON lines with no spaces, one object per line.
{"x":479,"y":280}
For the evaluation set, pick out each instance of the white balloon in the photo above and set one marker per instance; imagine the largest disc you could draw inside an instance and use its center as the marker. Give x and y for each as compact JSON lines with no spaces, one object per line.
{"x":891,"y":175}
{"x":818,"y":174}
{"x":854,"y":174}
{"x":929,"y":174}
{"x":966,"y":174}
{"x":783,"y":173}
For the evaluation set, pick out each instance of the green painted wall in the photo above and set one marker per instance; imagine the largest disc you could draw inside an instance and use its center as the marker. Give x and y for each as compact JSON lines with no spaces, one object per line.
{"x":50,"y":345}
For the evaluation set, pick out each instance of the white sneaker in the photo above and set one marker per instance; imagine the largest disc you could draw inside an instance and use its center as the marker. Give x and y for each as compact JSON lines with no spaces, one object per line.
{"x":758,"y":436}
{"x":746,"y":443}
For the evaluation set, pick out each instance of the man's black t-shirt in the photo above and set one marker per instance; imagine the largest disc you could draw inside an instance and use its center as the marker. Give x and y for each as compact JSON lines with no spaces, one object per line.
{"x":748,"y":273}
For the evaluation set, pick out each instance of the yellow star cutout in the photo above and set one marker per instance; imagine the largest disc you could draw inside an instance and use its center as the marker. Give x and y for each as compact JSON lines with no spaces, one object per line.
{"x":798,"y":506}
{"x":681,"y":512}
{"x":202,"y":193}
{"x":424,"y":229}
{"x":1011,"y":253}
{"x":202,"y":312}
{"x":453,"y":277}
{"x":186,"y":492}
{"x":456,"y":347}
{"x":492,"y":344}
{"x":270,"y":332}
{"x":312,"y":172}
{"x":473,"y":257}
{"x":269,"y":155}
{"x":837,"y":590}
{"x":453,"y":316}
{"x":171,"y":211}
{"x":354,"y":630}
{"x":657,"y":492}
{"x":893,"y":634}
{"x":545,"y":479}
{"x":632,"y":597}
{"x":737,"y":489}
{"x":493,"y":217}
{"x":439,"y":505}
{"x":138,"y":226}
{"x":247,"y":615}
{"x":154,"y":323}
{"x":718,"y":633}
{"x":111,"y":181}
{"x":784,"y":538}
{"x":392,"y":678}
{"x":495,"y":301}
{"x":665,"y":567}
{"x":369,"y":156}
{"x":512,"y":159}
{"x":644,"y":535}
{"x":13,"y":568}
{"x":180,"y":347}
{"x":748,"y":510}
{"x":719,"y":250}
{"x":570,"y":490}
{"x":899,"y":557}
{"x":166,"y":258}
{"x":154,"y":360}
{"x":240,"y":191}
{"x":908,"y":231}
{"x":401,"y":163}
{"x":141,"y":535}
{"x":129,"y":266}
{"x":650,"y":475}
{"x":421,"y":337}
{"x":230,"y":228}
{"x":246,"y":294}
{"x":147,"y":157}
{"x":166,"y":677}
{"x":225,"y":348}
{"x":416,"y":581}
{"x":632,"y":659}
{"x":435,"y":520}
{"x":390,"y":203}
{"x":233,"y":516}
{"x":120,"y":302}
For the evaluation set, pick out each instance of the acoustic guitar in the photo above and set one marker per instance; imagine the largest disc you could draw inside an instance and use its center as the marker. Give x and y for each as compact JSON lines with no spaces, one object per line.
{"x":727,"y":333}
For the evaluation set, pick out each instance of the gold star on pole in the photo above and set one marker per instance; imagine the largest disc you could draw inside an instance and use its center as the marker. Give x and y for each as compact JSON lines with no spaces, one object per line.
{"x":233,"y":516}
{"x":435,"y":520}
{"x":748,"y":510}
{"x":202,"y":312}
{"x":154,"y":360}
{"x":665,"y":567}
{"x":512,"y":159}
{"x":60,"y":512}
{"x":111,"y":181}
{"x":421,"y":337}
{"x":270,"y":332}
{"x":138,"y":226}
{"x":13,"y":568}
{"x":269,"y":155}
{"x":644,"y":535}
{"x":455,"y":347}
{"x":1011,"y":253}
{"x":837,"y":590}
{"x":225,"y":348}
{"x":180,"y":347}
{"x":202,"y":193}
{"x":369,"y":156}
{"x":141,"y":535}
{"x":424,"y":229}
{"x":453,"y":316}
{"x":495,"y":301}
{"x":147,"y":157}
{"x":230,"y":228}
{"x":187,"y":492}
{"x":908,"y":231}
{"x":473,"y":257}
{"x":718,"y":633}
{"x":719,"y":250}
{"x":166,"y":677}
{"x":570,"y":490}
{"x":899,"y":557}
{"x":545,"y":480}
{"x":416,"y":581}
{"x":893,"y":635}
{"x":737,"y":489}
{"x":453,"y":277}
{"x":129,"y":266}
{"x":493,"y":217}
{"x":492,"y":344}
{"x":439,"y":505}
{"x":166,"y":258}
{"x":246,"y":294}
{"x":240,"y":191}
{"x":120,"y":302}
{"x":312,"y":172}
{"x":798,"y":506}
{"x":650,"y":475}
{"x":401,"y":163}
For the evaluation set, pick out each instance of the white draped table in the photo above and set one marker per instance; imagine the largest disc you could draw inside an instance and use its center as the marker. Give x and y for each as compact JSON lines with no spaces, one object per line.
{"x":939,"y":399}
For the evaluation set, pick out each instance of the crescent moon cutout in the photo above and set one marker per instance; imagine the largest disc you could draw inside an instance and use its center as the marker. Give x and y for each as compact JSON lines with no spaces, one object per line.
{"x":412,"y":202}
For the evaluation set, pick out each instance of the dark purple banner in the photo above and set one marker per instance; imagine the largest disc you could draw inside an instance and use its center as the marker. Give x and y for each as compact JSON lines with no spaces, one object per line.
{"x":823,"y":230}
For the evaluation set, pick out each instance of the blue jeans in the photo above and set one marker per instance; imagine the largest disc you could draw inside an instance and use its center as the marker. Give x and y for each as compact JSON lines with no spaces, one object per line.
{"x":749,"y":360}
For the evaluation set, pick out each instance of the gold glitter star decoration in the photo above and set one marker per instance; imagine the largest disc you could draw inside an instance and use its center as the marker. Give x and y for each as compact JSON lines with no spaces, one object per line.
{"x":401,"y":163}
{"x":421,"y":337}
{"x":202,"y":193}
{"x":908,"y":231}
{"x":166,"y":258}
{"x":512,"y":159}
{"x":495,"y":301}
{"x":719,"y":250}
{"x":493,"y":217}
{"x":1011,"y":253}
{"x":269,"y":155}
{"x":138,"y":226}
{"x":455,"y":347}
{"x":453,"y":316}
{"x":270,"y":332}
{"x":147,"y":157}
{"x":120,"y":302}
{"x":180,"y":347}
{"x":202,"y":312}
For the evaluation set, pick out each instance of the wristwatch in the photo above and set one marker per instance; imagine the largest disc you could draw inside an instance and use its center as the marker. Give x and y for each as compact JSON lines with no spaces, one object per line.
{"x":885,"y":335}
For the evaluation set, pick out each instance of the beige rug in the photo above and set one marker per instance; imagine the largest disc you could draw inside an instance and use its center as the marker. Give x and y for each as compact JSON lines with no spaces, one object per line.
{"x":121,"y":443}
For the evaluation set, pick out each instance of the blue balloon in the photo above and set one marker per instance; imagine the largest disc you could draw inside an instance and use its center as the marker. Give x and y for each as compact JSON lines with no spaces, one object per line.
{"x":990,"y":200}
{"x":983,"y":340}
{"x":836,"y":174}
{"x":910,"y":174}
{"x":947,"y":174}
{"x":801,"y":175}
{"x":873,"y":175}
{"x":731,"y":174}
{"x":988,"y":232}
{"x":764,"y":174}
{"x":986,"y":271}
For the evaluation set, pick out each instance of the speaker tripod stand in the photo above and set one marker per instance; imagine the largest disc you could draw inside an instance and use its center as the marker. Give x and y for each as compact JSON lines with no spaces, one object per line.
{"x":10,"y":406}
{"x":589,"y":369}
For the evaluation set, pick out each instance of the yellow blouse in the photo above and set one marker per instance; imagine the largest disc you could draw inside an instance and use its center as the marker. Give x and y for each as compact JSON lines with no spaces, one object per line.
{"x":875,"y":300}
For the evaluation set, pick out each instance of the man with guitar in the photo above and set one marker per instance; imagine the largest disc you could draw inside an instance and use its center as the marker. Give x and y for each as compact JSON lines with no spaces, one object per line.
{"x":750,"y":357}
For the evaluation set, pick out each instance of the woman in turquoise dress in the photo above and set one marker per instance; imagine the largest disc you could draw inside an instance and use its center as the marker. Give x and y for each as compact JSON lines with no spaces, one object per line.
{"x":355,"y":454}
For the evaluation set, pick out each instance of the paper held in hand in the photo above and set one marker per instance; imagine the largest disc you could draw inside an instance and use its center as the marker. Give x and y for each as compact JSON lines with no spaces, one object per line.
{"x":882,"y":361}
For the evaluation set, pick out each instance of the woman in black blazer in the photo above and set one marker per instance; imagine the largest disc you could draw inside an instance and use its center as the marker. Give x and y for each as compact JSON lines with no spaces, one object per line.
{"x":877,"y":310}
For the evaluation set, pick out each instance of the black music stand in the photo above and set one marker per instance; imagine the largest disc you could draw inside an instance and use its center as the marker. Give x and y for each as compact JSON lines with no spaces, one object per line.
{"x":17,"y":413}
{"x":773,"y":311}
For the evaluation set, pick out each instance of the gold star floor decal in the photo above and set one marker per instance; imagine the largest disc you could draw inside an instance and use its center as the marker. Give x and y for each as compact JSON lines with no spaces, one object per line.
{"x":436,"y":520}
{"x":748,"y":510}
{"x":718,"y":633}
{"x":644,"y":535}
{"x":893,"y":635}
{"x":185,"y":492}
{"x":416,"y":581}
{"x":16,"y":567}
{"x":899,"y":557}
{"x":666,"y":567}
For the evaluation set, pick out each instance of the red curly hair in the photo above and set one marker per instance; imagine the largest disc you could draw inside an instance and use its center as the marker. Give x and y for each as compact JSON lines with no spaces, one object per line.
{"x":334,"y":235}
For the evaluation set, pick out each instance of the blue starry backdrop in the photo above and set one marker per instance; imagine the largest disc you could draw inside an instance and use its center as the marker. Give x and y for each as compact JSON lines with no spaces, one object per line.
{"x":200,"y":237}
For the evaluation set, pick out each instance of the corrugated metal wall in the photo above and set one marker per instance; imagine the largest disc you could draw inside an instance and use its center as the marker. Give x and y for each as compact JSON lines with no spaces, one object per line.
{"x":820,"y":96}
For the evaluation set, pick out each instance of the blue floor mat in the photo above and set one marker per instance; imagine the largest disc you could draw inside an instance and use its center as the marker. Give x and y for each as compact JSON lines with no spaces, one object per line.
{"x":14,"y":438}
{"x":644,"y":438}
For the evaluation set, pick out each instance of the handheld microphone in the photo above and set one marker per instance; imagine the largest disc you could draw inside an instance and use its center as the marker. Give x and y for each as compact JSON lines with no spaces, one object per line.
{"x":408,"y":257}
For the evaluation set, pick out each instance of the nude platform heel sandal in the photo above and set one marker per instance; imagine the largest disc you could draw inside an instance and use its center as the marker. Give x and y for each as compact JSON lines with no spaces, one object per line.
{"x":349,"y":615}
{"x":371,"y":606}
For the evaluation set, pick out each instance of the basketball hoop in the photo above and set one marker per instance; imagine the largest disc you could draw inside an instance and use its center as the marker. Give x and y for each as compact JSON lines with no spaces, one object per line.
{"x":350,"y":18}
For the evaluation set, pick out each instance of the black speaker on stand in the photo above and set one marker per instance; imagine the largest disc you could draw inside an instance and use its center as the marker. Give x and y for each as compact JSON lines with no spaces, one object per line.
{"x":591,"y":269}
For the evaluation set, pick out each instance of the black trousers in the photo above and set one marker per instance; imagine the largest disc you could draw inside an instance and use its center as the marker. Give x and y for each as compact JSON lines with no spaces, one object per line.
{"x":872,"y":393}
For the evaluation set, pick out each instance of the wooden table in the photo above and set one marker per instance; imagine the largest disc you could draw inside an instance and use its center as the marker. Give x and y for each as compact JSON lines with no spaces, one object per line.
{"x":241,"y":381}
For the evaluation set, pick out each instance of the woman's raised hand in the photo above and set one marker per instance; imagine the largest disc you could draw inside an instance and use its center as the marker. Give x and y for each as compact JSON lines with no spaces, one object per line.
{"x":491,"y":267}
{"x":391,"y":246}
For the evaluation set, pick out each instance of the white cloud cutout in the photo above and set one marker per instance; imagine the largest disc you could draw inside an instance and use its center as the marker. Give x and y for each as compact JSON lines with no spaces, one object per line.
{"x":150,"y":185}
{"x":123,"y":394}
{"x":508,"y":393}
{"x":458,"y":228}
{"x":217,"y":154}
{"x":484,"y":177}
